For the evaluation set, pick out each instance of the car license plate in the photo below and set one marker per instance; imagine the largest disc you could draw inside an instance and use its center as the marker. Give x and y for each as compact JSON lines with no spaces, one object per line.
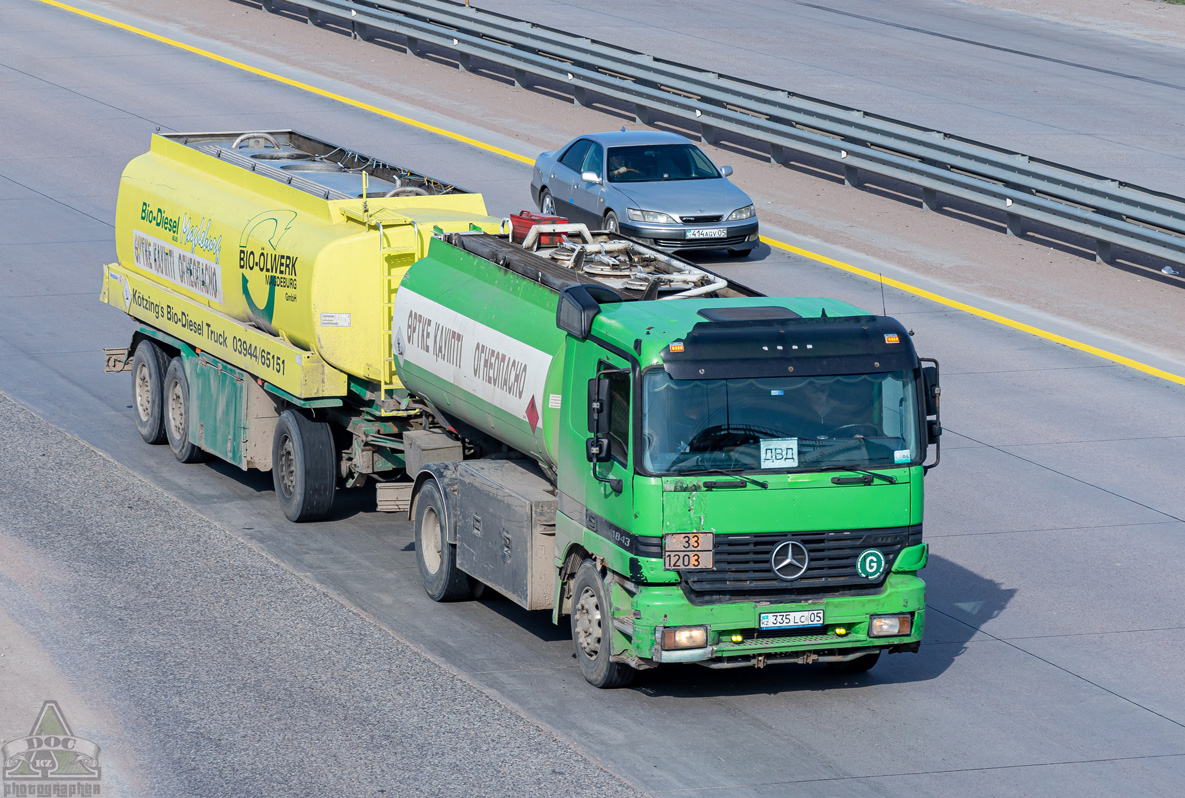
{"x":791,"y":620}
{"x":710,"y":232}
{"x":688,"y":551}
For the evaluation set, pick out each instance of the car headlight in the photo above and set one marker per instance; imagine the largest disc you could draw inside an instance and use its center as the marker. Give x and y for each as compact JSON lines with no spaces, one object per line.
{"x":746,"y":212}
{"x":648,"y":216}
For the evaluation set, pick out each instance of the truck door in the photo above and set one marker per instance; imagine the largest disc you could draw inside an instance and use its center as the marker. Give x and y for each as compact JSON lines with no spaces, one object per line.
{"x":599,"y":496}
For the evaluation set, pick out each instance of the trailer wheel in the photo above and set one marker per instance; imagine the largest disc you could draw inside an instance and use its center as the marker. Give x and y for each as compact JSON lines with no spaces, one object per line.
{"x":177,"y":416}
{"x":148,"y":377}
{"x":437,"y":558}
{"x":591,"y":630}
{"x":303,"y":467}
{"x":857,"y":665}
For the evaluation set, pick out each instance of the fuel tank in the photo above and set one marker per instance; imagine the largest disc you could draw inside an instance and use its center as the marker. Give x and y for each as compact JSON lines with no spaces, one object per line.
{"x":306,"y":240}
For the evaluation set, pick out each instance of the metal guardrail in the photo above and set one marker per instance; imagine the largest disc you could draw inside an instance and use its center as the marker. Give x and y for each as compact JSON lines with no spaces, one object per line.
{"x":1108,"y":211}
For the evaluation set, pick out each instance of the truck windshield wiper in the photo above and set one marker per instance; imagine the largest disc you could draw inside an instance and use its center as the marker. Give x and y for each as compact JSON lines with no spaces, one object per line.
{"x":724,"y":473}
{"x":871,"y":474}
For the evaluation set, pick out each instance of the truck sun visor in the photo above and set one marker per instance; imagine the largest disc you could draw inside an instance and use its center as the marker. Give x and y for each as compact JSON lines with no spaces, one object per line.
{"x":802,"y":347}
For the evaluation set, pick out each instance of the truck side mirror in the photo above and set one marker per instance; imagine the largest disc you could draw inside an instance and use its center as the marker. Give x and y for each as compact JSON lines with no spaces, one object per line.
{"x":932,"y":389}
{"x":596,"y":449}
{"x":579,"y":305}
{"x":598,"y":406}
{"x":931,"y":393}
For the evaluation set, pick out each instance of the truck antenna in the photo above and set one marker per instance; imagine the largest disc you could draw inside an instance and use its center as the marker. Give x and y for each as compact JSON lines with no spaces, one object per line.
{"x":884,"y":312}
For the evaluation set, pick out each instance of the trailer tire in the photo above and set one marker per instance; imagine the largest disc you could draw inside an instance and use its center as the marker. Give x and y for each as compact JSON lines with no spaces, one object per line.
{"x":303,"y":467}
{"x":590,"y":632}
{"x":149,"y":364}
{"x":176,"y":414}
{"x":858,"y":665}
{"x":437,"y":558}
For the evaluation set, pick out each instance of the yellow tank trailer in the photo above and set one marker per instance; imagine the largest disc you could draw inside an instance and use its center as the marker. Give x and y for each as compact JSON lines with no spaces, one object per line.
{"x":262,"y":268}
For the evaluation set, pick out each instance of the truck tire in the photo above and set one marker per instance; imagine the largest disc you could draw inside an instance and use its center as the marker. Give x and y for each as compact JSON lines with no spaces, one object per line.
{"x":857,"y":665}
{"x":443,"y":580}
{"x":303,"y":467}
{"x":149,"y":364}
{"x":177,"y":415}
{"x":591,"y":630}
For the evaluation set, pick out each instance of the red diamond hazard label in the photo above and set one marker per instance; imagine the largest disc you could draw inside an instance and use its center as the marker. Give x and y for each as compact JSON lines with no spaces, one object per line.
{"x":532,"y":414}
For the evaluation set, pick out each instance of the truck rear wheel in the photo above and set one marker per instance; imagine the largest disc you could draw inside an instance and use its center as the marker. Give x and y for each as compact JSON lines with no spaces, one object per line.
{"x":592,"y":627}
{"x":148,"y":378}
{"x":176,"y":413}
{"x":303,"y":467}
{"x":443,"y":580}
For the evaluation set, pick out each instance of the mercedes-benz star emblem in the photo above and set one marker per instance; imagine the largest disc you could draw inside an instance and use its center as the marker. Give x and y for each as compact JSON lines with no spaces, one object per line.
{"x":789,"y":560}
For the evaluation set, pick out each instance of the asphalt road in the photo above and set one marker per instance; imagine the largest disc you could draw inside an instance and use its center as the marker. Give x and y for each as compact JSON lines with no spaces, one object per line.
{"x":1098,"y":102}
{"x":1052,"y":658}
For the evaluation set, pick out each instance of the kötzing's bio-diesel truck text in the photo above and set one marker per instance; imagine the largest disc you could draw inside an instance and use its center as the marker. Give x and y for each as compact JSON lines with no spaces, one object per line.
{"x":689,"y":471}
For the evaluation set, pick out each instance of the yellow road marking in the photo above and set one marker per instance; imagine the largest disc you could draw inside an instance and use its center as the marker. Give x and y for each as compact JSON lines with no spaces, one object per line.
{"x":263,"y":73}
{"x":974,"y":311}
{"x":772,"y":242}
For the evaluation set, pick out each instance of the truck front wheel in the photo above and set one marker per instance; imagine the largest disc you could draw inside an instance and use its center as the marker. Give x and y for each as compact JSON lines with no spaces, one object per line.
{"x":177,"y":414}
{"x":148,"y":378}
{"x":437,"y":558}
{"x":303,"y":467}
{"x":592,"y":627}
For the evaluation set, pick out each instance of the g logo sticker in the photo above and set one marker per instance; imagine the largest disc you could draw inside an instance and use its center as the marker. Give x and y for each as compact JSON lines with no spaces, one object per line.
{"x":871,"y":564}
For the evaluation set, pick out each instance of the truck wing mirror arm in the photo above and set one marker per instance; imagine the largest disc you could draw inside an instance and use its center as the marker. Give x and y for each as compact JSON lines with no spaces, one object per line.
{"x":597,"y":450}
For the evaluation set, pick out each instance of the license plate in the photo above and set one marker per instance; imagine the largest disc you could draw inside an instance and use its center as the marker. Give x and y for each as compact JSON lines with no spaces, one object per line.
{"x":791,"y":620}
{"x":688,"y":551}
{"x":711,"y":232}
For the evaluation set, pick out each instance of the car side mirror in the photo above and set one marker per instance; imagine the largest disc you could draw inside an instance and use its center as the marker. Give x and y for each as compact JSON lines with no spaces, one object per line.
{"x":590,"y":177}
{"x":725,"y":171}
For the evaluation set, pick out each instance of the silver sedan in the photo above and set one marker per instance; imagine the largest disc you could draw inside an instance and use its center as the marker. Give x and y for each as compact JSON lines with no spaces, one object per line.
{"x":651,"y":185}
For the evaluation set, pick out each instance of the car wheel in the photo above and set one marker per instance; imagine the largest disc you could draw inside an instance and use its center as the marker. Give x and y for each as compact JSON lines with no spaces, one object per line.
{"x":546,"y":203}
{"x":611,"y":225}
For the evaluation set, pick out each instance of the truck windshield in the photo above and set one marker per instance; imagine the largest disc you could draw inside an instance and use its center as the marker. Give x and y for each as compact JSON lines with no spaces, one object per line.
{"x":779,"y":423}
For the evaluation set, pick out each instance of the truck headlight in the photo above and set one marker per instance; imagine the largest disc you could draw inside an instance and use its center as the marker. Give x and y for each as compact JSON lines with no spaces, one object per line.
{"x":684,"y":637}
{"x":890,"y":625}
{"x":648,"y":216}
{"x":746,"y":212}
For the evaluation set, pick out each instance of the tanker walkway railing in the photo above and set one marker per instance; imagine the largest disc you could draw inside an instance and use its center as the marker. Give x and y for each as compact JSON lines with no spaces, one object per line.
{"x":1107,"y":211}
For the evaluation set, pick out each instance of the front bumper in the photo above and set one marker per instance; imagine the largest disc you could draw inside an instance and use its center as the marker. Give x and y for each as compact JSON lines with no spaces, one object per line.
{"x":640,"y":616}
{"x":737,"y":235}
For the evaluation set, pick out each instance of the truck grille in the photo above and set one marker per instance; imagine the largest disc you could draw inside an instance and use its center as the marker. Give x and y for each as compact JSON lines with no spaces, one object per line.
{"x":743,"y":571}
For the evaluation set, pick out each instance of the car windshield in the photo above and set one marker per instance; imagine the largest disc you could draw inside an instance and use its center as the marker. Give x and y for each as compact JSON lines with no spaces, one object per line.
{"x":779,"y":423}
{"x":659,"y":162}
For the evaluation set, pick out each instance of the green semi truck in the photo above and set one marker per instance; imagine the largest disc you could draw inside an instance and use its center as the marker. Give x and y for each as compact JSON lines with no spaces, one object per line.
{"x":689,"y":471}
